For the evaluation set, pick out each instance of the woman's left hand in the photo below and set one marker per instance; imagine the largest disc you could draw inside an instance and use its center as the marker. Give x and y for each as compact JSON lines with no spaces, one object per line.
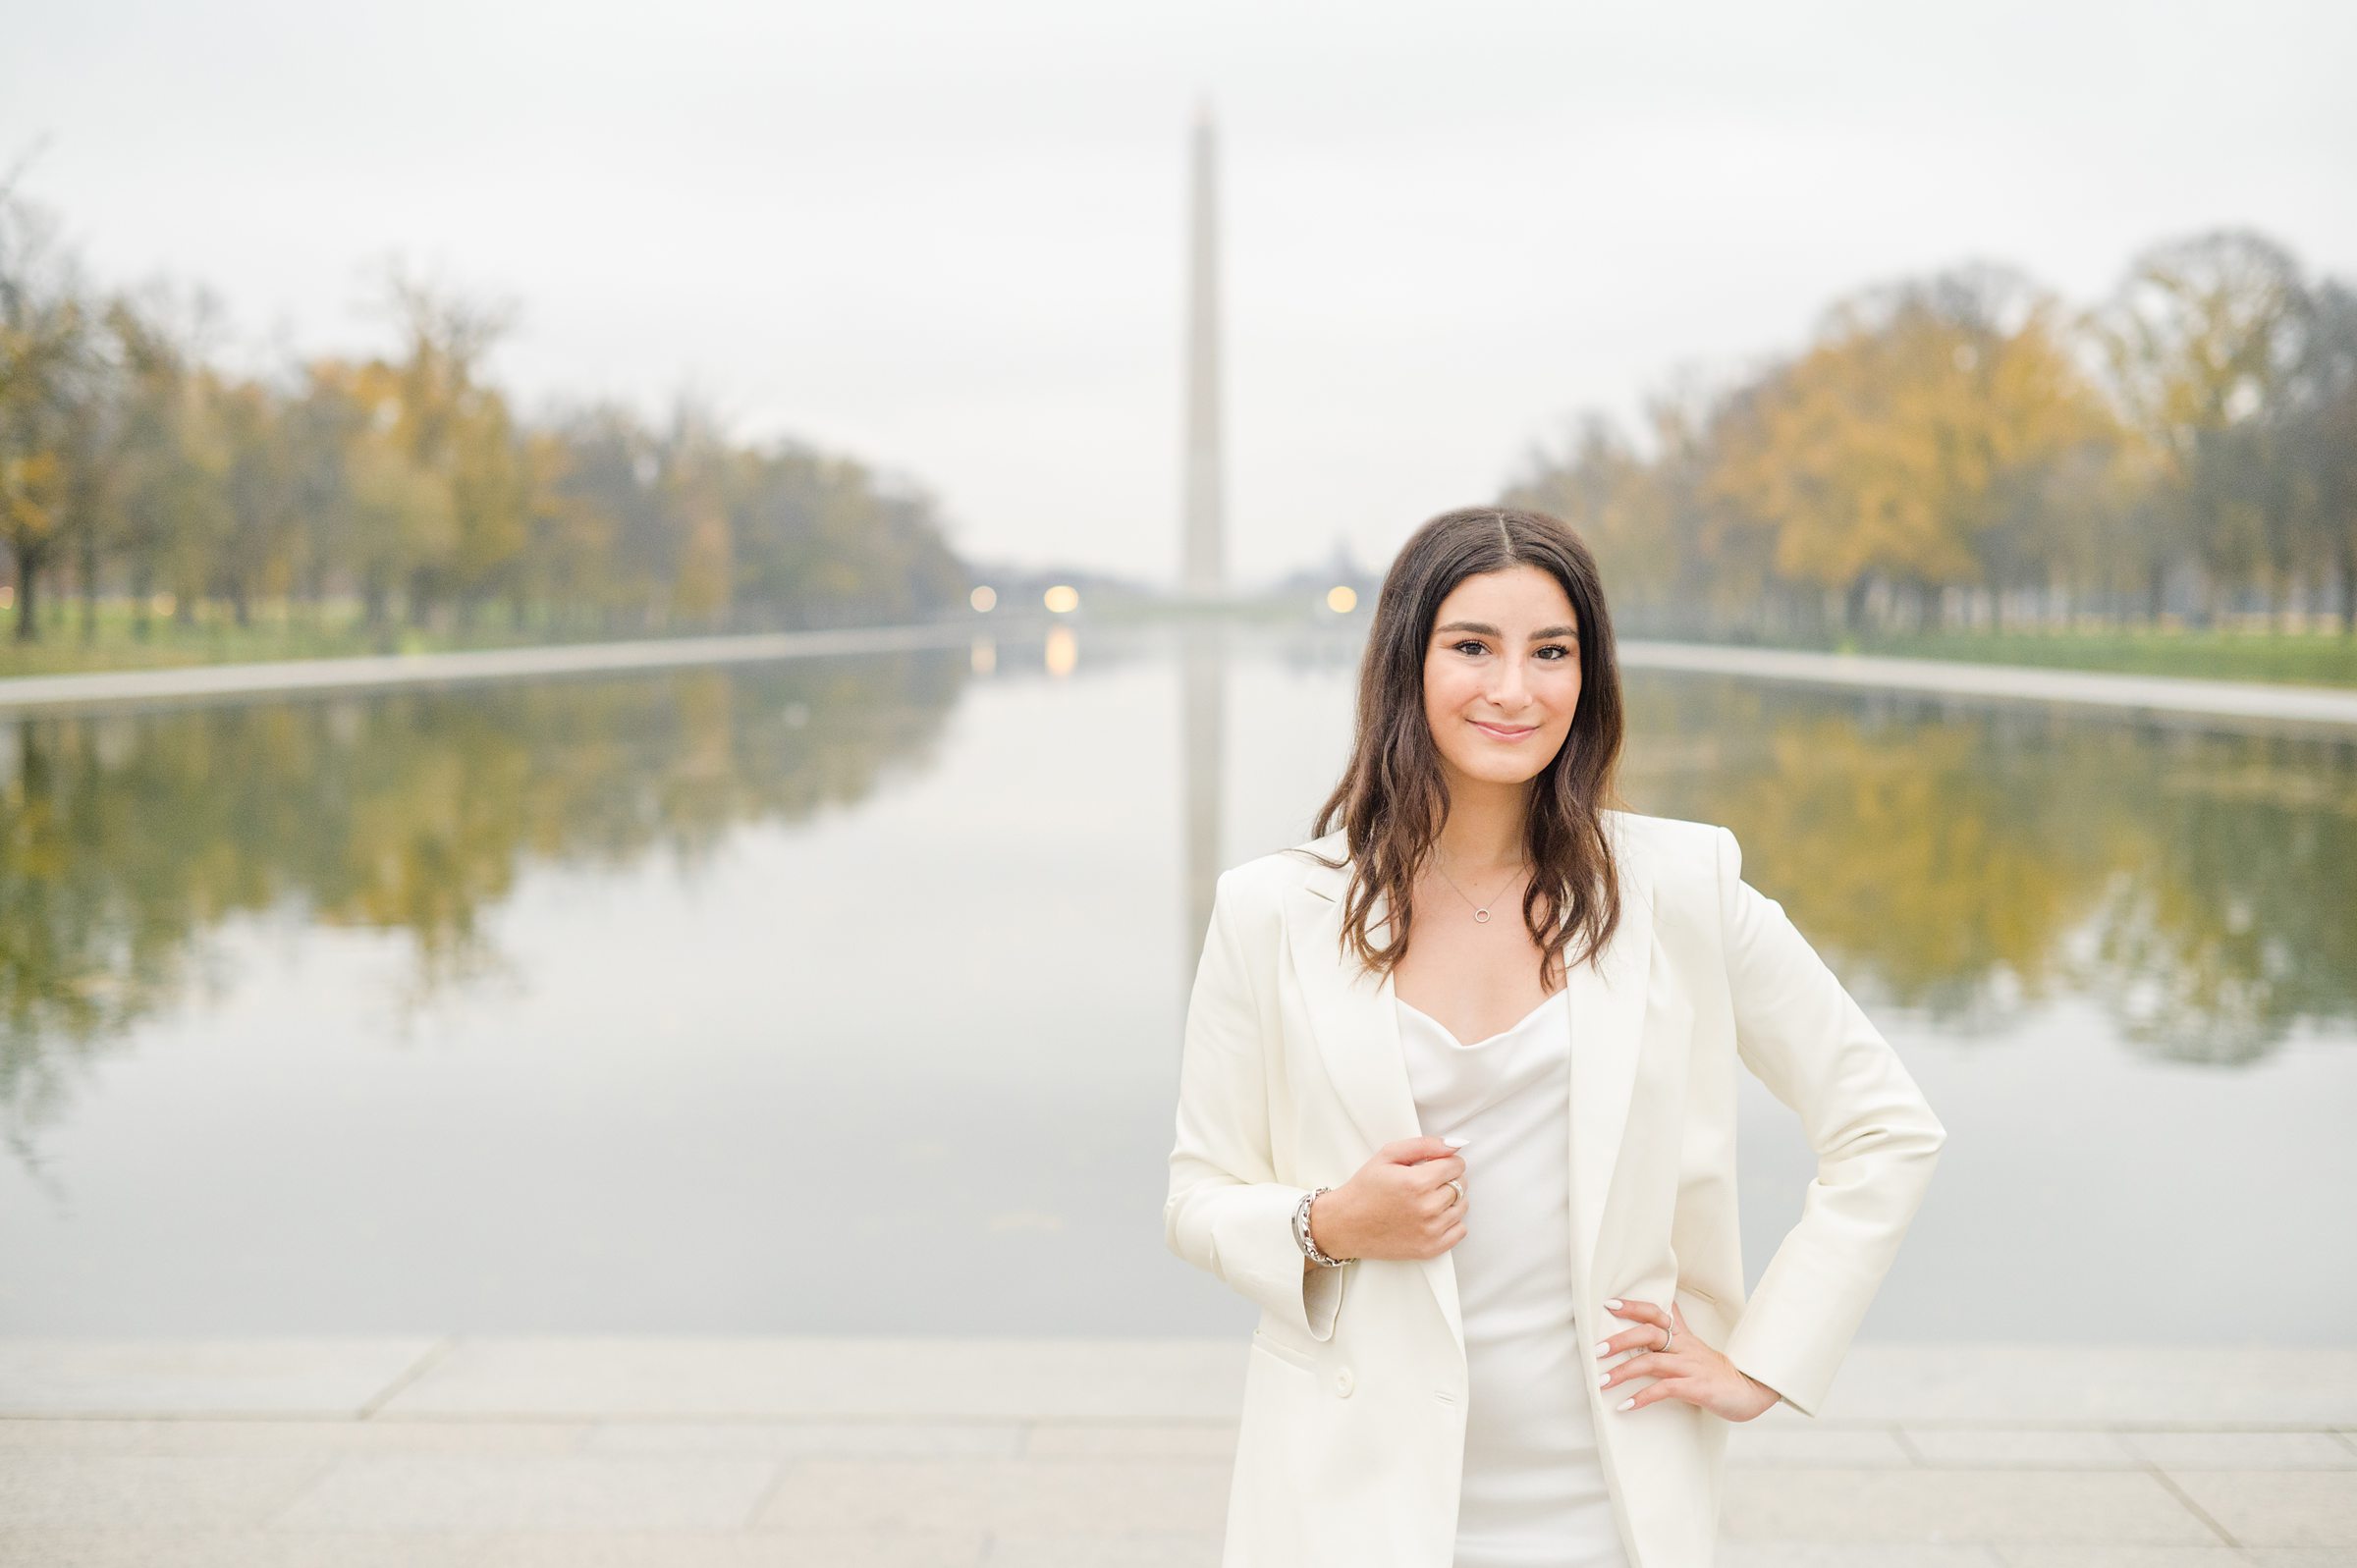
{"x":1688,"y":1369}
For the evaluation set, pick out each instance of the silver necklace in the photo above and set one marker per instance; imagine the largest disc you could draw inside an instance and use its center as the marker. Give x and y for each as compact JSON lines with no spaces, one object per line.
{"x":1481,"y":911}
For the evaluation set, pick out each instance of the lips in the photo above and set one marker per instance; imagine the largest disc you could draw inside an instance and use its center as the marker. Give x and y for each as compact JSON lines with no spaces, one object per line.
{"x":1502,"y":732}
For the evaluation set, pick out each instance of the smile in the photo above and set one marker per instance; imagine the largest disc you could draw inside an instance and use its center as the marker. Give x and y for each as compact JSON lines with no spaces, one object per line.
{"x":1504,"y":733}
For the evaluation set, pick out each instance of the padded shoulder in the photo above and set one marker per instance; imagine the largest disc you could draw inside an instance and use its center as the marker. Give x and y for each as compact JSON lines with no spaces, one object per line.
{"x":1668,"y":841}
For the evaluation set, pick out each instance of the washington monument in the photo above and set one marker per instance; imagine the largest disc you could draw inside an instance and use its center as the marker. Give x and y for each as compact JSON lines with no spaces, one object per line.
{"x":1203,"y":558}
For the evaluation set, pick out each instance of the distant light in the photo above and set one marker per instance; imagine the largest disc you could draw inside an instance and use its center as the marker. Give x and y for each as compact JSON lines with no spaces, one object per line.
{"x":1342,"y":598}
{"x":1060,"y":598}
{"x":1062,"y":654}
{"x":984,"y":598}
{"x":163,"y":604}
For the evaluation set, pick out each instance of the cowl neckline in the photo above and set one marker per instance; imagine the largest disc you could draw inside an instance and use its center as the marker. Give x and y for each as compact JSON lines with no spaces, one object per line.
{"x":1516,"y":1028}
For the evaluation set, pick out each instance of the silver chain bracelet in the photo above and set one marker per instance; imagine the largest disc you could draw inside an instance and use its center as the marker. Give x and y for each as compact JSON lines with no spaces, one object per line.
{"x":1301,"y":1235}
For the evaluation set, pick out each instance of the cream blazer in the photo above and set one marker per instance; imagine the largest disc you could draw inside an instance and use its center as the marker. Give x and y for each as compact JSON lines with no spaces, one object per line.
{"x":1351,"y":1447}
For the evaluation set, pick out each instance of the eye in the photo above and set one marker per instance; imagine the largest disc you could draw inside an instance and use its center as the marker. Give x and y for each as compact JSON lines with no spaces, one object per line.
{"x":1469,"y":643}
{"x":1557,"y":647}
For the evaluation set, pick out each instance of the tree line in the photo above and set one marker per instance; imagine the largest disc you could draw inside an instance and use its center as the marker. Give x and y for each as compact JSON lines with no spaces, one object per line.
{"x":1969,"y":449}
{"x":135,"y":467}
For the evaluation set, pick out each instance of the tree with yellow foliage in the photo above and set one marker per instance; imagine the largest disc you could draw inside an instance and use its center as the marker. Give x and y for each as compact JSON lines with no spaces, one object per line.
{"x":45,"y":398}
{"x":1911,"y":440}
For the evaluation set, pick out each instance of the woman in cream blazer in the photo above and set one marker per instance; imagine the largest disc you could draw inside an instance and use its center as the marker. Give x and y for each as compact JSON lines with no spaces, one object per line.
{"x":1292,"y":1078}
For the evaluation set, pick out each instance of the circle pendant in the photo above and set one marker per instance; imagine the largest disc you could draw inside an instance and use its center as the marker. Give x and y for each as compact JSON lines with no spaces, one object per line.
{"x":1482,"y":915}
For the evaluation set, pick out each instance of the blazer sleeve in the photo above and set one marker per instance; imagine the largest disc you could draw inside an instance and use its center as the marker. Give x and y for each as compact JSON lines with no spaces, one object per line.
{"x":1227,"y":1212}
{"x":1876,"y":1140}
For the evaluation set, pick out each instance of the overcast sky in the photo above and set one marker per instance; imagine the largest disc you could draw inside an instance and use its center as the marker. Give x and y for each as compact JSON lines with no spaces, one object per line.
{"x":949,"y":239}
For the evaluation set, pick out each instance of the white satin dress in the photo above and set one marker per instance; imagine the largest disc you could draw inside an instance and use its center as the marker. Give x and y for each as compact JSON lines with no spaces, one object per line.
{"x":1534,"y":1491}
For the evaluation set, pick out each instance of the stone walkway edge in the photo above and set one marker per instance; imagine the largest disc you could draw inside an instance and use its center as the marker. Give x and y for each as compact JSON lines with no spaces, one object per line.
{"x":2243,"y":702}
{"x":489,"y":1451}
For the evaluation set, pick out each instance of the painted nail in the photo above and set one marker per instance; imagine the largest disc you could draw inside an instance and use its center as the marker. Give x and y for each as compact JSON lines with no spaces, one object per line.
{"x":1616,"y":1306}
{"x":1456,"y":1143}
{"x":1604,"y":1379}
{"x":1625,"y":1403}
{"x":1604,"y":1347}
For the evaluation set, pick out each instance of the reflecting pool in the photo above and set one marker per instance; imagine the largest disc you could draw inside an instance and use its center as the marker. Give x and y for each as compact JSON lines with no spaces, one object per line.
{"x":844,"y":993}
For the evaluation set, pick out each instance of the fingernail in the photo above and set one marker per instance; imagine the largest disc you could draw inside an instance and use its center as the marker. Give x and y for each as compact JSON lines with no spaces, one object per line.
{"x":1625,"y":1403}
{"x":1456,"y":1143}
{"x":1604,"y":1347}
{"x":1603,"y":1378}
{"x":1616,"y":1306}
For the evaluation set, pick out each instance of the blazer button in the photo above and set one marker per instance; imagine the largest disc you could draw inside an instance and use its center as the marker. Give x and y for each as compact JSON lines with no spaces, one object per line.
{"x":1342,"y":1382}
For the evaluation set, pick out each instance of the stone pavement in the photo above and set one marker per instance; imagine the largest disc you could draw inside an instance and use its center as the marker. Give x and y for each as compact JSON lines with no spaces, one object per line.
{"x":598,"y":1452}
{"x":2267,"y":706}
{"x":2270,"y":706}
{"x":191,"y":682}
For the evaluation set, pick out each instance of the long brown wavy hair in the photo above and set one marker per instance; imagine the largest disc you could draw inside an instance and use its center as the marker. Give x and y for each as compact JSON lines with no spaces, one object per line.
{"x":1394,"y":798}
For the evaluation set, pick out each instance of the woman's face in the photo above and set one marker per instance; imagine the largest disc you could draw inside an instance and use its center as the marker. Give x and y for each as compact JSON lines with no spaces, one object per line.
{"x":1502,"y":674}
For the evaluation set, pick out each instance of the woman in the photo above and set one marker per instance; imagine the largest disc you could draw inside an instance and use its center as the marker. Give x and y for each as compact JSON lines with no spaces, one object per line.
{"x":1482,"y":1184}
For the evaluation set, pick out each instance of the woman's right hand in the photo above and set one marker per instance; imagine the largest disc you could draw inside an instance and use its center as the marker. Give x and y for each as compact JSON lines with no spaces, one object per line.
{"x":1399,"y":1204}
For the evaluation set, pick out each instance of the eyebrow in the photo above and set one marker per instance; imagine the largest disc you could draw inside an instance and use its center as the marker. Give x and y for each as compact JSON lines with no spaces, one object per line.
{"x":1488,"y":630}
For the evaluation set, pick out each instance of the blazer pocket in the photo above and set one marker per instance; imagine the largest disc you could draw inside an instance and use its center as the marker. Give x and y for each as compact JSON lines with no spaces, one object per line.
{"x":1285,"y":1352}
{"x":1710,"y":1315}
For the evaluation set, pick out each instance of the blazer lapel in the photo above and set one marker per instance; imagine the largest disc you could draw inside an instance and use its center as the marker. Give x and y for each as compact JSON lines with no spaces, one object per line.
{"x":1357,"y":1034}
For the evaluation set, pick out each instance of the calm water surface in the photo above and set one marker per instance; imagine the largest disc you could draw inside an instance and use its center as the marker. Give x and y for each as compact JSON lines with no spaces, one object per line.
{"x":844,"y":994}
